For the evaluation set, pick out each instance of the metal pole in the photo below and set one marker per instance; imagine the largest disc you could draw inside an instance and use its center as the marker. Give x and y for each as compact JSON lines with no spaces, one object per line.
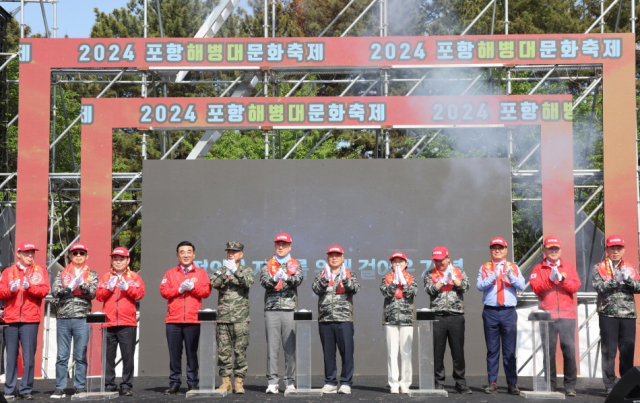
{"x":146,"y":5}
{"x":54,"y":112}
{"x":144,"y":144}
{"x":478,"y":17}
{"x":55,"y":19}
{"x":21,"y":18}
{"x":266,"y":145}
{"x":506,"y":17}
{"x":601,"y":14}
{"x":633,"y":16}
{"x":273,"y":18}
{"x":160,"y":19}
{"x":493,"y":18}
{"x":266,"y":22}
{"x":359,"y":17}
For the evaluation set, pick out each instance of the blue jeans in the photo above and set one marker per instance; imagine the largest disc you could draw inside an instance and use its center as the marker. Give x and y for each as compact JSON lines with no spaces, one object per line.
{"x":66,"y":329}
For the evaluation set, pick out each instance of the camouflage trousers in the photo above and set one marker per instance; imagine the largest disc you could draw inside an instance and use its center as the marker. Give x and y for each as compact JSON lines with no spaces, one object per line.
{"x":233,"y":340}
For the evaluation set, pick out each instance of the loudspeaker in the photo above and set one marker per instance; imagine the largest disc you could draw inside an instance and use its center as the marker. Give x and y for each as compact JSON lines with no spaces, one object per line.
{"x":627,"y":389}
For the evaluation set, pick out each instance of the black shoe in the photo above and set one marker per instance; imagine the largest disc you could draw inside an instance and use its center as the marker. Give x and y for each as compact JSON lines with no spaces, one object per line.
{"x":193,"y":387}
{"x":80,"y":390}
{"x":27,"y":396}
{"x":439,"y":386}
{"x":463,"y":390}
{"x":173,"y":390}
{"x":570,"y":392}
{"x":513,"y":389}
{"x":127,"y":392}
{"x":491,"y":389}
{"x":58,"y":394}
{"x":111,"y":389}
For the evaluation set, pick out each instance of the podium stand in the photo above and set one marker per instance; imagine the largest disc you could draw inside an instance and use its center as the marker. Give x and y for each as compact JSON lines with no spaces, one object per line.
{"x":540,"y":358}
{"x":208,"y":356}
{"x":95,"y":386}
{"x":425,"y":319}
{"x":303,"y":321}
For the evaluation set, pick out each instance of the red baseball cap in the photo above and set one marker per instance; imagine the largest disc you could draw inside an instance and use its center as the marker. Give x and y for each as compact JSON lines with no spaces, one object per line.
{"x":498,"y":241}
{"x":551,"y":241}
{"x":614,"y":240}
{"x":78,"y":246}
{"x":439,"y":253}
{"x":401,"y":255}
{"x":26,"y":246}
{"x":282,"y":237}
{"x":334,"y":249}
{"x":120,"y":251}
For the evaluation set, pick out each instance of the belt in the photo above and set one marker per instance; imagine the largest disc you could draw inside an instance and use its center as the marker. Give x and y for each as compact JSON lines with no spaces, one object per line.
{"x":498,"y":308}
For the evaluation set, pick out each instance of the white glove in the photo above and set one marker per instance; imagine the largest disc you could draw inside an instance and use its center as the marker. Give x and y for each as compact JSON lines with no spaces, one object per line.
{"x":625,"y":272}
{"x":403,"y":280}
{"x":14,"y":285}
{"x":231,"y":266}
{"x":182,"y":289}
{"x":558,"y":275}
{"x":443,"y":280}
{"x":112,"y":283}
{"x":452,"y":276}
{"x":123,"y":285}
{"x":326,"y":273}
{"x":277,"y":276}
{"x":620,"y":277}
{"x":188,"y":285}
{"x":498,"y":272}
{"x":284,"y":276}
{"x":25,"y":283}
{"x":342,"y":274}
{"x":552,"y":276}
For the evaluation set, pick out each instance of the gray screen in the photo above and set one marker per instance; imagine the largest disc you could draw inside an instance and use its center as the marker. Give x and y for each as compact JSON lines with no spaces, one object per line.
{"x":371,"y":208}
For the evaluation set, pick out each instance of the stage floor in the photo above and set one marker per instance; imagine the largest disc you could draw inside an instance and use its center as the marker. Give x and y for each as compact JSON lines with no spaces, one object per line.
{"x":365,"y":388}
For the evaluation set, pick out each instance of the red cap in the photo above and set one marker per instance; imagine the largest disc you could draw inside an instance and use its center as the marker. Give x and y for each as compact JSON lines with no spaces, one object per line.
{"x":551,"y":241}
{"x":498,"y":241}
{"x":120,"y":251}
{"x":439,"y":253}
{"x":614,"y":240}
{"x":401,"y":255}
{"x":334,"y":249}
{"x":26,"y":246}
{"x":78,"y":246}
{"x":282,"y":237}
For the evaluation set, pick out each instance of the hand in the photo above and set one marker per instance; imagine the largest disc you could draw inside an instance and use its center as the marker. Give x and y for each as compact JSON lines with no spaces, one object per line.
{"x":403,"y":280}
{"x":443,"y":280}
{"x":25,"y":283}
{"x":552,"y":276}
{"x":498,"y":272}
{"x":620,"y":276}
{"x":327,"y":274}
{"x":558,"y":275}
{"x":14,"y":285}
{"x":625,"y":274}
{"x":188,"y":285}
{"x":182,"y":288}
{"x":123,"y":285}
{"x":343,"y":274}
{"x":277,"y":276}
{"x":284,"y":276}
{"x":112,"y":283}
{"x":231,"y":266}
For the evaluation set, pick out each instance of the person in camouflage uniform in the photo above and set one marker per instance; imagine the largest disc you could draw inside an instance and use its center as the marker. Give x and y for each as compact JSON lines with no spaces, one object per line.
{"x":615,"y":281}
{"x":280,"y":276}
{"x":75,"y":288}
{"x":335,"y":286}
{"x":232,"y":332}
{"x":446,"y":286}
{"x":399,"y":288}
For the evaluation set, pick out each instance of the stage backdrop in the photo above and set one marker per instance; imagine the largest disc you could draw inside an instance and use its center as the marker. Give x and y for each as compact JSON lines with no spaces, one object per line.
{"x":371,"y":208}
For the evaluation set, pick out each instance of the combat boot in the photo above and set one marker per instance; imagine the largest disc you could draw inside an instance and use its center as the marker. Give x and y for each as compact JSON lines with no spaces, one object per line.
{"x":239,"y":386}
{"x":226,"y":384}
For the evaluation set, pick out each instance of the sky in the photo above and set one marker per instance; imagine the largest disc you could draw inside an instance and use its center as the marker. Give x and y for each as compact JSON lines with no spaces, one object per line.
{"x":75,"y":17}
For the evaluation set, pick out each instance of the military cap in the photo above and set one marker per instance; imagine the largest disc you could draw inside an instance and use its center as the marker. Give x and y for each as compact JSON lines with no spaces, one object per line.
{"x":233,"y":245}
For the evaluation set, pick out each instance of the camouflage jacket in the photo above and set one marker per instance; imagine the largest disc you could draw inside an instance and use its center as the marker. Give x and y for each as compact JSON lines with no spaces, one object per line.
{"x":615,"y":299}
{"x":398,"y":311}
{"x":452,"y":301}
{"x":285,"y":298}
{"x":332,"y":306}
{"x":233,"y":294}
{"x":71,"y":305}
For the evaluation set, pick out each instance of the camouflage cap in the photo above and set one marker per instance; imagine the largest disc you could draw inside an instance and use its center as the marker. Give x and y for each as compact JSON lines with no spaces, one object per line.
{"x":234,"y":246}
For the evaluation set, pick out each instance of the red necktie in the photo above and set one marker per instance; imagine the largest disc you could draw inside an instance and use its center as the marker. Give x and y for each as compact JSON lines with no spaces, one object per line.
{"x":500,"y":289}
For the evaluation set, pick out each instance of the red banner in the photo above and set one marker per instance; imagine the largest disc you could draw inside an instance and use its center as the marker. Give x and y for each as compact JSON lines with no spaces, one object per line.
{"x":329,"y":112}
{"x":291,"y":53}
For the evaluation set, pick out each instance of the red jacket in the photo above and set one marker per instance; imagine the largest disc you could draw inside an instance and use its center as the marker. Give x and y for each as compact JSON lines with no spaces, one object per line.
{"x":120,"y":305}
{"x":557,"y":296}
{"x":24,"y":305}
{"x":183,"y":308}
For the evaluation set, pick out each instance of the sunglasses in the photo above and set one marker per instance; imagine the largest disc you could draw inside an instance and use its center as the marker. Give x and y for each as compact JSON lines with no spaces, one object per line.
{"x":79,"y":252}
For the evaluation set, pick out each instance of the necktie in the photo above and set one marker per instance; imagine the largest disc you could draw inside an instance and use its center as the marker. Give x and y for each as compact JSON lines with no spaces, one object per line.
{"x":500,"y":289}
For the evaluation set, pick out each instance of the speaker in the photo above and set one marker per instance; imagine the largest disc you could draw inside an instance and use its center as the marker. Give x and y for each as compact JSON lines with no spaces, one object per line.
{"x":627,"y":389}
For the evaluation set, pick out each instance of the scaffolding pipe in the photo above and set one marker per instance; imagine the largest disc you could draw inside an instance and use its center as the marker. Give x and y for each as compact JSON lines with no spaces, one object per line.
{"x":597,"y":21}
{"x":478,"y":17}
{"x":55,"y":19}
{"x":359,"y":17}
{"x":126,"y":223}
{"x":543,"y":80}
{"x":586,"y":92}
{"x":80,"y":116}
{"x":145,"y":25}
{"x":493,"y":18}
{"x":336,"y":19}
{"x":633,"y":16}
{"x":273,"y":18}
{"x":506,"y":17}
{"x":160,"y":18}
{"x":21,"y":18}
{"x":304,"y":136}
{"x":44,"y":19}
{"x":266,"y":23}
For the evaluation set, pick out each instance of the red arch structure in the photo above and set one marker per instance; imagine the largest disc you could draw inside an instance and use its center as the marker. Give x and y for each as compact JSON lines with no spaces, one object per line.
{"x":614,"y":52}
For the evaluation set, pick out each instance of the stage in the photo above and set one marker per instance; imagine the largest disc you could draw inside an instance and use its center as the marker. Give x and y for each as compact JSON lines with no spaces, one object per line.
{"x":365,"y":388}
